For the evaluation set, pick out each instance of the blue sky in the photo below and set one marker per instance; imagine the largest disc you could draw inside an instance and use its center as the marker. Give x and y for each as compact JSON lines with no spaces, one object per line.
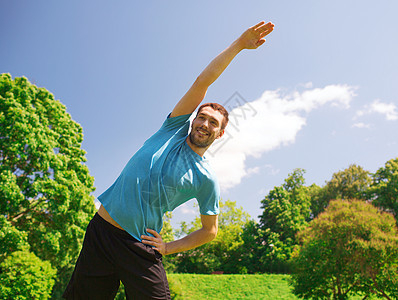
{"x":320,"y":94}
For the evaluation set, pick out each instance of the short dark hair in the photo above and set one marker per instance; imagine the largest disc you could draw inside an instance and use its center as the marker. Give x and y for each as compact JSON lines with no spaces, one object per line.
{"x":221,"y":109}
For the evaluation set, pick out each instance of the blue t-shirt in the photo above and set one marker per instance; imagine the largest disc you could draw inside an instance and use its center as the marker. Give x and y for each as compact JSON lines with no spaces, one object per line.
{"x":163,"y":174}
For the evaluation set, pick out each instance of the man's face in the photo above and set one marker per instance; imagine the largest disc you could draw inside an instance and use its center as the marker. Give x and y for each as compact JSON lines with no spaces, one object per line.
{"x":206,"y":127}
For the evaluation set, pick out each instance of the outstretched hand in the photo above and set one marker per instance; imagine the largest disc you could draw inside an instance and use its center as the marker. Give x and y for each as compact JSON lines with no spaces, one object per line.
{"x":253,"y":37}
{"x":156,"y":241}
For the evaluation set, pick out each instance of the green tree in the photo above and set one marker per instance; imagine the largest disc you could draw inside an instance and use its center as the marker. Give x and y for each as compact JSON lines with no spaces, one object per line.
{"x":25,"y":276}
{"x":45,"y":186}
{"x":167,"y":234}
{"x":384,"y":189}
{"x":286,"y":211}
{"x":351,"y":183}
{"x":349,"y":249}
{"x":229,"y":243}
{"x":11,"y":239}
{"x":252,"y":248}
{"x":224,"y":253}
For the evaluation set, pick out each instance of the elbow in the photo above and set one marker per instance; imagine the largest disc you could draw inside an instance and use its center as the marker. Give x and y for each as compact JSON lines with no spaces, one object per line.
{"x":202,"y":81}
{"x":209,"y":227}
{"x":212,"y":233}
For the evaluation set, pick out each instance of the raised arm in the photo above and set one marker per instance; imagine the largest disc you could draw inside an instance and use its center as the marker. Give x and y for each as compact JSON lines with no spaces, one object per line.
{"x":197,"y":238}
{"x":252,"y":38}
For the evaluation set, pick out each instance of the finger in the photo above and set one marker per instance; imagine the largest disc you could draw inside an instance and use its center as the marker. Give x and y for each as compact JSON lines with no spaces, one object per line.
{"x":147,"y":242}
{"x":148,"y":238}
{"x":152,"y":243}
{"x":155,"y":233}
{"x":258,"y":25}
{"x":265,"y":28}
{"x":265,"y":33}
{"x":260,"y":42}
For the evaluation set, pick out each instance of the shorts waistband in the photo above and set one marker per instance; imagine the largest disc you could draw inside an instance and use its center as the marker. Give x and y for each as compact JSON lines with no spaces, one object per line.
{"x":99,"y":220}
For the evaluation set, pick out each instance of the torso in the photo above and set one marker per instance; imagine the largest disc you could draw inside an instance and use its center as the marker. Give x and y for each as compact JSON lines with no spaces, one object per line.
{"x":104,"y":214}
{"x":163,"y":174}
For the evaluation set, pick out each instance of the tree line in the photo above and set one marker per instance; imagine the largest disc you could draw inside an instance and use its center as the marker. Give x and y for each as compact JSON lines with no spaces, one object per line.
{"x":336,"y":239}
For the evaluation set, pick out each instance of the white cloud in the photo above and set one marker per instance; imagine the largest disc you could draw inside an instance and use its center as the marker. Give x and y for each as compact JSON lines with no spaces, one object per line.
{"x":272,"y":170}
{"x":389,"y":110}
{"x":307,"y":85}
{"x":270,"y":122}
{"x":361,"y":125}
{"x":254,"y":170}
{"x":186,"y":209}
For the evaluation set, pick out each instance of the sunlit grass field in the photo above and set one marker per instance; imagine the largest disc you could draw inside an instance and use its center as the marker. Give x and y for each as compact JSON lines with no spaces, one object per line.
{"x":195,"y":286}
{"x":264,"y":286}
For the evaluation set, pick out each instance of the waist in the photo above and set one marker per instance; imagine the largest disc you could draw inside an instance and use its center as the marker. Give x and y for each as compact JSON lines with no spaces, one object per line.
{"x":105,"y":215}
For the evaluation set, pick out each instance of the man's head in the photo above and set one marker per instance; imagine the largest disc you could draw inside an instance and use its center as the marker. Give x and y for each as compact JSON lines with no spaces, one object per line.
{"x":221,"y":109}
{"x":208,"y":125}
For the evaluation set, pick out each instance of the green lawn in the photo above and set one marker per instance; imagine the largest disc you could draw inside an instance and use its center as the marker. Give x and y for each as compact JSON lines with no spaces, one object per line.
{"x":265,"y":286}
{"x":194,"y":286}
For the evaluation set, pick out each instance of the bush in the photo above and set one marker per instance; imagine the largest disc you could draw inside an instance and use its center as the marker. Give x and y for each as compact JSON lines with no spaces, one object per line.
{"x":25,"y":276}
{"x":349,"y":249}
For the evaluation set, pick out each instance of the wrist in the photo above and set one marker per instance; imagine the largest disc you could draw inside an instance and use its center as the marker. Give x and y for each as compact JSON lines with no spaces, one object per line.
{"x":238,"y":45}
{"x":166,"y":249}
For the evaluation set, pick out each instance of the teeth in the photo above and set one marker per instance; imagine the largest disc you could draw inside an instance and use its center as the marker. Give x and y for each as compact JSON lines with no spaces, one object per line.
{"x":202,"y":132}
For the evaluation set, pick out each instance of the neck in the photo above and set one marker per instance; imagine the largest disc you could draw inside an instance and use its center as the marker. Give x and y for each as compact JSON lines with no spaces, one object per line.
{"x":198,"y":150}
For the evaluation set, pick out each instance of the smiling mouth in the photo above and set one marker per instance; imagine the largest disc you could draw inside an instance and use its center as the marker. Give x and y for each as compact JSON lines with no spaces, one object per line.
{"x":202,"y":132}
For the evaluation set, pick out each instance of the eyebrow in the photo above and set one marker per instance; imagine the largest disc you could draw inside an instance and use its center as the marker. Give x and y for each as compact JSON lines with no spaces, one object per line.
{"x":211,"y":118}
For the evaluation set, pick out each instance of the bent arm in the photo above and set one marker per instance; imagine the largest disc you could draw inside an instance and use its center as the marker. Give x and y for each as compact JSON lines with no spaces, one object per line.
{"x":252,"y":38}
{"x":197,"y":238}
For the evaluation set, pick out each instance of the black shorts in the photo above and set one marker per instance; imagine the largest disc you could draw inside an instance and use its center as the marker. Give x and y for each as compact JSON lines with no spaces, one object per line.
{"x":110,"y":255}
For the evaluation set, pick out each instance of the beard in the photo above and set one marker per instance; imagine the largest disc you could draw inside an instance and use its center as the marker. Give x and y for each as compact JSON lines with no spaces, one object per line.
{"x":201,"y":142}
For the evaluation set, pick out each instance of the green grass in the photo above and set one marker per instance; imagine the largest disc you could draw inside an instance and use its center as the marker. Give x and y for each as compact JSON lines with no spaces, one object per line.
{"x":195,"y":286}
{"x":264,"y":286}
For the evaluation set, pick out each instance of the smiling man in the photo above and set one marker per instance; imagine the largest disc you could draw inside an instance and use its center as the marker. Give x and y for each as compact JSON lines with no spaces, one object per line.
{"x":208,"y":126}
{"x":122,"y":241}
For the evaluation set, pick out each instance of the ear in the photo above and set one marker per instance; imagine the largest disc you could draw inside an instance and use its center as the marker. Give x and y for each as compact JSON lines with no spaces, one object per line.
{"x":221,"y":133}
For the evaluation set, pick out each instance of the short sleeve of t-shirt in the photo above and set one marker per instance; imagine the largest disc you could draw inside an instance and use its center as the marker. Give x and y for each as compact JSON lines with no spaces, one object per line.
{"x":208,"y":198}
{"x":179,"y":124}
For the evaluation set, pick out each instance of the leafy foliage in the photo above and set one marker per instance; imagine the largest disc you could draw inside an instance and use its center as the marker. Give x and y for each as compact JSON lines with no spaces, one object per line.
{"x":252,"y":248}
{"x":44,"y":185}
{"x":167,"y":234}
{"x":384,"y":189}
{"x":286,"y":211}
{"x":351,"y":183}
{"x":350,"y":248}
{"x":25,"y":276}
{"x":11,"y":239}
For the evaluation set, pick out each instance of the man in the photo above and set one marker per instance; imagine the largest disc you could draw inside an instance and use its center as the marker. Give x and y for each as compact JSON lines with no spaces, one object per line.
{"x":122,"y":241}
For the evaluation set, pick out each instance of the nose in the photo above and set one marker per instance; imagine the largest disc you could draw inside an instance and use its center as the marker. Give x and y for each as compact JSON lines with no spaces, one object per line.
{"x":205,"y":123}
